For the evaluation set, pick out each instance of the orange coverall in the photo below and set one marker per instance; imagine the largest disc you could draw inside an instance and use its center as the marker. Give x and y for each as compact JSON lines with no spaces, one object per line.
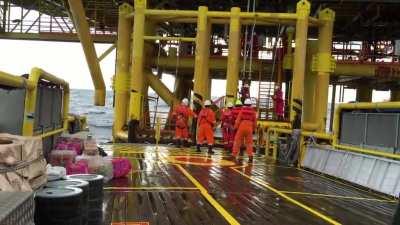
{"x":206,"y":122}
{"x":182,"y":114}
{"x":245,"y":124}
{"x":227,"y":125}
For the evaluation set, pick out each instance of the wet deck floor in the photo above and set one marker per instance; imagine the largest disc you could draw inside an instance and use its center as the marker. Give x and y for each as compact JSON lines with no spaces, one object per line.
{"x":173,"y":186}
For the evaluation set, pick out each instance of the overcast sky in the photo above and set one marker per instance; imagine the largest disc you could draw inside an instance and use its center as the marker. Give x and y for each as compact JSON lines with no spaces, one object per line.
{"x":66,"y":60}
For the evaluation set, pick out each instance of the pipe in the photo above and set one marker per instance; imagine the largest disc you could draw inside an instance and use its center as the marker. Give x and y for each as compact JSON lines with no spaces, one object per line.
{"x":137,"y":77}
{"x":179,"y":39}
{"x":122,"y":69}
{"x":7,"y":79}
{"x":324,"y":67}
{"x":232,"y":72}
{"x":83,"y":30}
{"x":31,"y":97}
{"x":162,"y":90}
{"x":219,"y":63}
{"x":273,"y":124}
{"x":303,"y":12}
{"x":310,"y":94}
{"x":201,"y":69}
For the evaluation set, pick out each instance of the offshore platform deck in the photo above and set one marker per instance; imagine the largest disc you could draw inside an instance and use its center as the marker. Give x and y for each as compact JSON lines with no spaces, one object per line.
{"x":179,"y":186}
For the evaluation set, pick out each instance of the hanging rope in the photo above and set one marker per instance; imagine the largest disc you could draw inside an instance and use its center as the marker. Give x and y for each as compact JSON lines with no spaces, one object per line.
{"x":275,"y":50}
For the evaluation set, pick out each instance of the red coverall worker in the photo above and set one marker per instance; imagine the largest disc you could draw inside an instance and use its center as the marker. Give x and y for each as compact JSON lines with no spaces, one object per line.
{"x":205,"y":124}
{"x":245,"y":124}
{"x":279,"y":104}
{"x":235,"y":113}
{"x":227,"y":126}
{"x":182,"y":113}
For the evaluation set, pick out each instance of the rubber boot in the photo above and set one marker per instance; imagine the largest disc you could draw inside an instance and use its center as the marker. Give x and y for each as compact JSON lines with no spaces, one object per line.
{"x":198,"y":148}
{"x":178,"y":143}
{"x":241,"y":152}
{"x":185,"y":144}
{"x":250,"y":159}
{"x":210,"y":151}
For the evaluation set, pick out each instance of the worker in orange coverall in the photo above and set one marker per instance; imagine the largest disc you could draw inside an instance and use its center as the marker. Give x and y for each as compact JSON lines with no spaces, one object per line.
{"x":205,"y":127}
{"x":182,"y":113}
{"x":245,"y":125}
{"x":227,"y":125}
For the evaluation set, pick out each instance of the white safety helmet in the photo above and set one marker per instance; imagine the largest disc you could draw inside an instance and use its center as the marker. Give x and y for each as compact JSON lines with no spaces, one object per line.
{"x":229,"y":105}
{"x":247,"y":101}
{"x":185,"y":101}
{"x":246,"y":85}
{"x":207,"y":103}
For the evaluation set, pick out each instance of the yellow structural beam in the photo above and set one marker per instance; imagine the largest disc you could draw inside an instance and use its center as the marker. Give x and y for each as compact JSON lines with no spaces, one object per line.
{"x":324,"y":66}
{"x":122,"y":69}
{"x":219,"y":63}
{"x":303,"y":12}
{"x":233,"y":65}
{"x":288,"y":58}
{"x":31,"y":98}
{"x":82,"y":28}
{"x":137,"y":78}
{"x":161,"y":38}
{"x":159,"y":87}
{"x":107,"y":52}
{"x":310,"y":77}
{"x":201,"y":69}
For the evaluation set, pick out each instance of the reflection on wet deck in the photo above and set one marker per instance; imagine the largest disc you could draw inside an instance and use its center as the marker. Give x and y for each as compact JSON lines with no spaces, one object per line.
{"x":210,"y":190}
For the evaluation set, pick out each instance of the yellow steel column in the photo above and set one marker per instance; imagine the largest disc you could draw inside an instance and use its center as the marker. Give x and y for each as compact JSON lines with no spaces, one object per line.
{"x":310,"y":84}
{"x":122,"y":69}
{"x":201,"y":57}
{"x":364,"y":94}
{"x":296,"y":99}
{"x":82,"y":28}
{"x":233,"y":65}
{"x":394,"y":95}
{"x":324,"y":67}
{"x":137,"y":75}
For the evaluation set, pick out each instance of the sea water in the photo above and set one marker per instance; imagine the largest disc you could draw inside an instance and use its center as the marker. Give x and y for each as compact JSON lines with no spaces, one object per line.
{"x":100,"y":118}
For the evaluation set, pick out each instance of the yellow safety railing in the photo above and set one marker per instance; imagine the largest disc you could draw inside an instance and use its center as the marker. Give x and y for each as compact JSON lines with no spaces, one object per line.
{"x":31,"y":85}
{"x":361,"y":105}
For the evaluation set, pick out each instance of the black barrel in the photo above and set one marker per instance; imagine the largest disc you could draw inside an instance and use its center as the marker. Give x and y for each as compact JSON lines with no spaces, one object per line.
{"x":84,"y":185}
{"x":95,"y":212}
{"x":61,"y":206}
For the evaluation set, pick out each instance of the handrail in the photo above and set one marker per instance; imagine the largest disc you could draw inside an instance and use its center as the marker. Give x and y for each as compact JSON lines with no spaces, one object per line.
{"x":360,"y":105}
{"x":10,"y":80}
{"x":31,"y":85}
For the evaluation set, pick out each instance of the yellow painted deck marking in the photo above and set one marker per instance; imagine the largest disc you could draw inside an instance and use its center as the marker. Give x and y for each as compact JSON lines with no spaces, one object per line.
{"x":228,"y":217}
{"x":293,"y":201}
{"x":338,"y":196}
{"x":199,"y":160}
{"x":149,"y":188}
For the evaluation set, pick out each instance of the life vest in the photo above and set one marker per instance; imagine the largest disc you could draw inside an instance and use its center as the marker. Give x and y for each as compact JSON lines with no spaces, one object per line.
{"x":248,"y":113}
{"x":235,"y":112}
{"x":206,"y":116}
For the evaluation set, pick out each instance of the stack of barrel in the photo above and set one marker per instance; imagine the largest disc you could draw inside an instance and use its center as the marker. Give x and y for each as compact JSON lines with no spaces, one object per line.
{"x":77,"y":200}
